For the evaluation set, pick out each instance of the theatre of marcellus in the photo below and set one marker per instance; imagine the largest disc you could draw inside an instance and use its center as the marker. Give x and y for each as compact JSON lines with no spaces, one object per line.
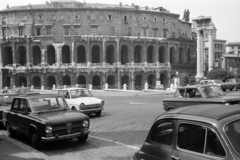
{"x":69,"y":42}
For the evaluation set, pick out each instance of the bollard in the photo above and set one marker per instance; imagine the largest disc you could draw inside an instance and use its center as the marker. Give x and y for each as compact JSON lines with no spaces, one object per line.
{"x":146,"y":86}
{"x":106,"y":86}
{"x":42,"y":88}
{"x":54,"y":86}
{"x":90,"y":87}
{"x":124,"y":87}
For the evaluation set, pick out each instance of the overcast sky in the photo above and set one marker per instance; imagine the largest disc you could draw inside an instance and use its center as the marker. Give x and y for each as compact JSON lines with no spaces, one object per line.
{"x":225,"y":13}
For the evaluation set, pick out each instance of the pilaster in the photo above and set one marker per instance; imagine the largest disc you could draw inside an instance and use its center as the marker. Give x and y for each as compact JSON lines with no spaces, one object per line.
{"x":199,"y":73}
{"x":28,"y":51}
{"x":104,"y":51}
{"x":210,"y":50}
{"x":73,"y":55}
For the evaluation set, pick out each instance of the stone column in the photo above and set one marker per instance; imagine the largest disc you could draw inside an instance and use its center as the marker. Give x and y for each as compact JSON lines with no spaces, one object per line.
{"x":14,"y":52}
{"x":131,"y":53}
{"x":119,"y":80}
{"x":104,"y":52}
{"x":118,"y":49}
{"x":144,"y":53}
{"x":202,"y":53}
{"x":88,"y":53}
{"x":156,"y":53}
{"x":43,"y":57}
{"x":58,"y":49}
{"x":28,"y":51}
{"x":199,"y":74}
{"x":132,"y":79}
{"x":210,"y":50}
{"x":73,"y":56}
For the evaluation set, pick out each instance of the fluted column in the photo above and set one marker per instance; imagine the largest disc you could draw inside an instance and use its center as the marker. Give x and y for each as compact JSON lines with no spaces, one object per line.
{"x":210,"y":50}
{"x":202,"y":53}
{"x":104,"y":52}
{"x":14,"y":52}
{"x":88,"y":53}
{"x":199,"y":74}
{"x":118,"y":49}
{"x":58,"y":49}
{"x":43,"y":56}
{"x":73,"y":53}
{"x":28,"y":51}
{"x":156,"y":53}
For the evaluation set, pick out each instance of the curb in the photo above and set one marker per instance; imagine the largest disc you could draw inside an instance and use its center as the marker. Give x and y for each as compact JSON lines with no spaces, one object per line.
{"x":34,"y":152}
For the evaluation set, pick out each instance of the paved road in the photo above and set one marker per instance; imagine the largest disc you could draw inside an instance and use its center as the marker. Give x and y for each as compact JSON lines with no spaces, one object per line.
{"x":117,"y":134}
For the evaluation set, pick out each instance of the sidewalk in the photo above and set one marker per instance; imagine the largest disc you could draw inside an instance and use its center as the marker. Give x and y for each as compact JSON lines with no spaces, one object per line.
{"x":11,"y":149}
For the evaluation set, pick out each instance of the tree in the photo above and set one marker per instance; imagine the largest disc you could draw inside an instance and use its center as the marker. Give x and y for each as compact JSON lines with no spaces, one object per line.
{"x":220,"y":74}
{"x":187,"y":79}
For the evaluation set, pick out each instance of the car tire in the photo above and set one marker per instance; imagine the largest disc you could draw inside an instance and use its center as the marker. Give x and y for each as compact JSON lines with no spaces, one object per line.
{"x":36,"y":140}
{"x":98,"y":113}
{"x":74,"y":108}
{"x":82,"y":138}
{"x":224,"y":90}
{"x":169,"y":109}
{"x":231,"y":89}
{"x":10,"y":131}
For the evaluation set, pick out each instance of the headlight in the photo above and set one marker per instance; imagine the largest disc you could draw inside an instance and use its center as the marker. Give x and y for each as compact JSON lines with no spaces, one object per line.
{"x":86,"y":124}
{"x":81,"y":106}
{"x":102,"y":103}
{"x":48,"y":129}
{"x":227,"y":103}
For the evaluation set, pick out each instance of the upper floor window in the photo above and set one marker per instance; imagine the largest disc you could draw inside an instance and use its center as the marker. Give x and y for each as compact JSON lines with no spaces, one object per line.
{"x":144,"y":18}
{"x":20,"y":31}
{"x":165,"y":33}
{"x":155,"y":33}
{"x":173,"y":34}
{"x":77,"y":17}
{"x":163,"y":20}
{"x":39,"y":33}
{"x":125,"y":18}
{"x":154,"y":19}
{"x":109,"y":17}
{"x":49,"y":31}
{"x":4,"y":32}
{"x":40,"y":17}
{"x":238,"y":47}
{"x":3,"y":20}
{"x":76,"y":30}
{"x":93,"y":16}
{"x":137,"y":18}
{"x":232,"y":47}
{"x":113,"y":30}
{"x":94,"y":31}
{"x":129,"y":30}
{"x":173,"y":25}
{"x":144,"y":32}
{"x":66,"y":31}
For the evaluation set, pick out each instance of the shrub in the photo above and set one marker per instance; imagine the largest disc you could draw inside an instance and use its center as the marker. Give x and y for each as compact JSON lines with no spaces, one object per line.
{"x":186,"y":79}
{"x":220,"y":74}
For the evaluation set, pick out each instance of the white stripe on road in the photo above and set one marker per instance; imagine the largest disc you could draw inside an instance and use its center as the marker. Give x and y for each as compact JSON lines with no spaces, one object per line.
{"x":112,"y":141}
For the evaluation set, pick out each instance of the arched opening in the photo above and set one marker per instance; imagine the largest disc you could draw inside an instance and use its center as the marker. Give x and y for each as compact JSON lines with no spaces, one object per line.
{"x":172,"y":55}
{"x":161,"y":55}
{"x":95,"y":54}
{"x":36,"y":52}
{"x":137,"y":54}
{"x":111,"y":81}
{"x":51,"y":55}
{"x":96,"y":82}
{"x":22,"y":55}
{"x":150,"y":57}
{"x":8,"y":56}
{"x":151,"y":81}
{"x":188,"y":55}
{"x":22,"y":81}
{"x":66,"y":80}
{"x":81,"y":81}
{"x":110,"y":54}
{"x":51,"y":81}
{"x":7,"y":82}
{"x":124,"y":54}
{"x":138,"y":82}
{"x":36,"y":82}
{"x":81,"y":54}
{"x":163,"y":78}
{"x":125,"y":80}
{"x":181,"y":55}
{"x":66,"y":54}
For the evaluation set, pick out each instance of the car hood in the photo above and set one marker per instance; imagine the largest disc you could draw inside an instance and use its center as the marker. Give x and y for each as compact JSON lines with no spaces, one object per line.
{"x":61,"y":117}
{"x":86,"y":100}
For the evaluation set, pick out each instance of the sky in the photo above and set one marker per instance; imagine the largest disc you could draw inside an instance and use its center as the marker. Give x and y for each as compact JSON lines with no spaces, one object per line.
{"x":225,"y":14}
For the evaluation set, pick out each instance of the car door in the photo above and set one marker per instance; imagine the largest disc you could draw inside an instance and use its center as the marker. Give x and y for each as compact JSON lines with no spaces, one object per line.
{"x":11,"y":115}
{"x":194,"y":97}
{"x":21,"y":117}
{"x":159,"y":143}
{"x":196,"y":141}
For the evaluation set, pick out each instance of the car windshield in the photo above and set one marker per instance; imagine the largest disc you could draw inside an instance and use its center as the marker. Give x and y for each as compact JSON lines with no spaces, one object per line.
{"x":232,"y":131}
{"x":237,"y":80}
{"x":41,"y":104}
{"x":218,"y":81}
{"x":231,"y":80}
{"x":80,"y":93}
{"x":212,"y":91}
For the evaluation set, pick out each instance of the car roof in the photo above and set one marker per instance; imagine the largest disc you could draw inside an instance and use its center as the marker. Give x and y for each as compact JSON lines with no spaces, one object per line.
{"x":212,"y":111}
{"x":36,"y":96}
{"x":195,"y":86}
{"x":68,"y":89}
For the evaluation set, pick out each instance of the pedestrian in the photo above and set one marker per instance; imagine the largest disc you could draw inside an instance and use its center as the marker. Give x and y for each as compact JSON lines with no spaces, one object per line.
{"x":5,"y":90}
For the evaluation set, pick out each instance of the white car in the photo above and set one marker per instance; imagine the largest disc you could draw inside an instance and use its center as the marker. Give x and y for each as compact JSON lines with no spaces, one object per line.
{"x":81,"y":99}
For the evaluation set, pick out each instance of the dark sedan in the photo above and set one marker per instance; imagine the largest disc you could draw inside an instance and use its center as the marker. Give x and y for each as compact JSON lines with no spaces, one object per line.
{"x":206,"y":132}
{"x":199,"y":94}
{"x":44,"y":118}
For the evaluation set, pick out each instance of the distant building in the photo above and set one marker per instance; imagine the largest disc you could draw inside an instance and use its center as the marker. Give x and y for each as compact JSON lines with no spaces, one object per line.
{"x":64,"y":42}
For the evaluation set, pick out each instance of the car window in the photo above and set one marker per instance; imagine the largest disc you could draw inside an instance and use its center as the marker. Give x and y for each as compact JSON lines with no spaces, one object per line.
{"x":15,"y":105}
{"x":212,"y":91}
{"x":80,"y":93}
{"x":180,"y":93}
{"x":162,"y":133}
{"x":22,"y":106}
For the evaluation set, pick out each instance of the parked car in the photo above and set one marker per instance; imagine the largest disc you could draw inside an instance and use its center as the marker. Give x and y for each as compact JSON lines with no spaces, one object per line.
{"x":235,"y":82}
{"x":44,"y":118}
{"x":81,"y":99}
{"x":224,"y":86}
{"x":199,"y":94}
{"x":204,"y":132}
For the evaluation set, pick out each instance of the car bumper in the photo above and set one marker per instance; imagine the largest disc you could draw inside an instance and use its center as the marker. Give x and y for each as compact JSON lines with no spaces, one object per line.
{"x":62,"y":137}
{"x":91,"y":110}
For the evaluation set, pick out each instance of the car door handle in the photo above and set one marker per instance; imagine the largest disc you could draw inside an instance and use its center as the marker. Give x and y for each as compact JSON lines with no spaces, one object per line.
{"x":175,"y":158}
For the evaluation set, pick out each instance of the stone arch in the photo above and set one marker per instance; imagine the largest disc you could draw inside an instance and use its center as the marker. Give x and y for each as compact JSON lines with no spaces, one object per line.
{"x":81,"y":80}
{"x":163,"y":78}
{"x":124,"y":54}
{"x":36,"y":52}
{"x":110,"y":54}
{"x":51,"y":81}
{"x":36,"y":82}
{"x":172,"y":55}
{"x":66,"y":80}
{"x":81,"y":54}
{"x":7,"y":56}
{"x":151,"y":81}
{"x":125,"y":80}
{"x":95,"y":54}
{"x":138,"y":82}
{"x":161,"y":54}
{"x":66,"y":54}
{"x":96,"y":82}
{"x":188,"y":55}
{"x":137,"y":54}
{"x":150,"y":54}
{"x":22,"y":59}
{"x":21,"y":81}
{"x":181,"y":55}
{"x":51,"y":58}
{"x":111,"y":81}
{"x":7,"y":81}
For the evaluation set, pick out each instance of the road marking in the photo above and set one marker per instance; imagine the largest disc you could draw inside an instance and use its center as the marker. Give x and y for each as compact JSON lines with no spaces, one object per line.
{"x":136,"y":103}
{"x":112,"y":141}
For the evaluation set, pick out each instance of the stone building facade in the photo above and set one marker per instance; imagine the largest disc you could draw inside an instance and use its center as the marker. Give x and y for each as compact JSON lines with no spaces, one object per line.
{"x":69,"y":43}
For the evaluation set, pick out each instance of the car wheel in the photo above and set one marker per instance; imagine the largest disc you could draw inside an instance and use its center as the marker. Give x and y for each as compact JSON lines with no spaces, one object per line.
{"x":98,"y":113}
{"x":224,"y":90}
{"x":231,"y":89}
{"x":74,"y":108}
{"x":10,"y":131}
{"x":82,"y":138}
{"x":169,"y":109}
{"x":36,"y":140}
